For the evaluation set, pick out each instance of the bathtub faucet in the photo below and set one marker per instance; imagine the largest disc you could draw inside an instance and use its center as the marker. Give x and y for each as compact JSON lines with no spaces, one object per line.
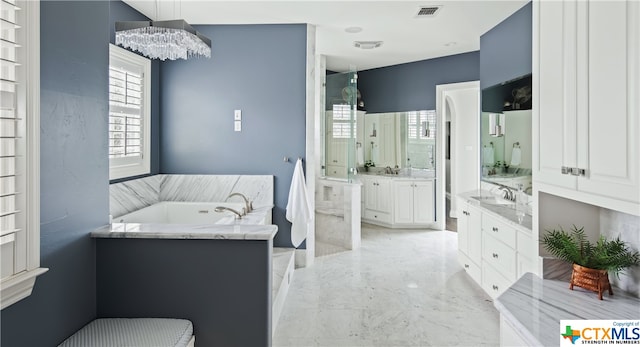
{"x":224,"y":208}
{"x":248,"y":204}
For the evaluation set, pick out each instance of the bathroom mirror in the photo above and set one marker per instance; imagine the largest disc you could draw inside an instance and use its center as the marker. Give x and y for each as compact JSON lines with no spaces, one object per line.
{"x":397,"y":140}
{"x":505,"y":133}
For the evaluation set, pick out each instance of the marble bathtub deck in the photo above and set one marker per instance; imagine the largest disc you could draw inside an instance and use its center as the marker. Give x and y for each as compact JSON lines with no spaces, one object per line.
{"x":401,"y":288}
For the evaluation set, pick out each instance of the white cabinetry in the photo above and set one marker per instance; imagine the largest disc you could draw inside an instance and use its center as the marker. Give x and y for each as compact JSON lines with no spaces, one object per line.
{"x":398,"y":202}
{"x":377,"y":199}
{"x":469,"y":237}
{"x":587,"y":109}
{"x":413,"y":202}
{"x":491,"y":249}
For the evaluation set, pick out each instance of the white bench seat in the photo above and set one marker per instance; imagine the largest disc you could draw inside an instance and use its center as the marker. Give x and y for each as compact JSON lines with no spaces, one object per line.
{"x":139,"y":332}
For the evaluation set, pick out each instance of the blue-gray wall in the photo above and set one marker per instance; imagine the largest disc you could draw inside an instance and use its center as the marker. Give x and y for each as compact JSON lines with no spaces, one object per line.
{"x":74,"y":173}
{"x":412,"y":86}
{"x":259,"y":69}
{"x":119,"y":11}
{"x":506,"y":49}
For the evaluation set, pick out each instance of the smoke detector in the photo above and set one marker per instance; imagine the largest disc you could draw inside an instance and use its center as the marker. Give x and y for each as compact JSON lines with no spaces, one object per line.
{"x":367,"y":44}
{"x":428,"y":11}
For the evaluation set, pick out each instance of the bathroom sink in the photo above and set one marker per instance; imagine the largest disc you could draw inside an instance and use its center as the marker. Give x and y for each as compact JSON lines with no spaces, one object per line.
{"x":492,"y":200}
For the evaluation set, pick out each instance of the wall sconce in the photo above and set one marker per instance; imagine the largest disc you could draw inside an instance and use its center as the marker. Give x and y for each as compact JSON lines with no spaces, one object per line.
{"x":496,"y":124}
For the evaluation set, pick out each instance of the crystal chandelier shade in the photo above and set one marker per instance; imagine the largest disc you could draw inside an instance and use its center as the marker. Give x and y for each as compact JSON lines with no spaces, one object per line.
{"x":171,"y":39}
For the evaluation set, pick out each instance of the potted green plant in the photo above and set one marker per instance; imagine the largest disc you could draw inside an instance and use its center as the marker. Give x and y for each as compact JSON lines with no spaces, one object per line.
{"x":368,"y":164}
{"x":591,"y":262}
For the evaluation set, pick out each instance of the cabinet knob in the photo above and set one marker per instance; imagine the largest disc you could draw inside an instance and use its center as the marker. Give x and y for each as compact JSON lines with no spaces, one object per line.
{"x":466,"y":266}
{"x":495,"y":255}
{"x":495,"y":229}
{"x":495,"y":287}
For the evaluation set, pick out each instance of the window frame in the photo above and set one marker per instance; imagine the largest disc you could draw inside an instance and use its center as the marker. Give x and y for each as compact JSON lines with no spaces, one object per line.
{"x":127,"y":166}
{"x":18,"y":286}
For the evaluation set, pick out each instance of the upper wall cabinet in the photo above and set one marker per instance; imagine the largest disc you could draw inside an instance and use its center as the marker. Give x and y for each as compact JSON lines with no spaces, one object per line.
{"x":586,"y":101}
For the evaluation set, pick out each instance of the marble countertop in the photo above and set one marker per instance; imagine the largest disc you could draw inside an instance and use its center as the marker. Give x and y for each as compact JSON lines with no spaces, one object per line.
{"x":535,"y":307}
{"x":506,"y":212}
{"x":416,"y":175}
{"x":186,"y":231}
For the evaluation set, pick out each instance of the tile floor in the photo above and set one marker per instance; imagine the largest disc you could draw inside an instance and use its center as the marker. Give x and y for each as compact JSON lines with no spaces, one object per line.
{"x":401,"y":288}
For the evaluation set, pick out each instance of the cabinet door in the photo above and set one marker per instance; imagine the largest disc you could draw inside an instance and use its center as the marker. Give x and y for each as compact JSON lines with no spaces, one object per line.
{"x":608,"y":130}
{"x":370,"y":190}
{"x":474,"y":230}
{"x":383,"y":195}
{"x":463,"y":238}
{"x":403,"y":202}
{"x":554,"y":67}
{"x":423,"y":211}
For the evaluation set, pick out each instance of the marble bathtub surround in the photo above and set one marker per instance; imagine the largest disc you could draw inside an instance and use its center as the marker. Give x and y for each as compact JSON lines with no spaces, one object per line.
{"x":186,"y":231}
{"x":534,"y":307}
{"x":133,"y":195}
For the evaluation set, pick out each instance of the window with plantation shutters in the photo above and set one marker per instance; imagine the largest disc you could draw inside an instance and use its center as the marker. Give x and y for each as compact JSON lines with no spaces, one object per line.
{"x":19,"y":149}
{"x":129,"y":113}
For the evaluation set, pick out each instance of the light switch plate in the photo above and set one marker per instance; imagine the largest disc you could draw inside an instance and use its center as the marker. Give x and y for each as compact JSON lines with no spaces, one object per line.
{"x":237,"y":125}
{"x":237,"y":115}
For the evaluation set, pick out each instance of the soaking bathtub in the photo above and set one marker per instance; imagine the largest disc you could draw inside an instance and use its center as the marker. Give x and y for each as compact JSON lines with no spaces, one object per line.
{"x":175,"y":212}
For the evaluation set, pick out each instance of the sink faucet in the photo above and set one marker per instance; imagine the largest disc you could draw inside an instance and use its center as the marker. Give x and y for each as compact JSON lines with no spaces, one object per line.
{"x":224,"y":208}
{"x":248,"y":204}
{"x":508,"y":193}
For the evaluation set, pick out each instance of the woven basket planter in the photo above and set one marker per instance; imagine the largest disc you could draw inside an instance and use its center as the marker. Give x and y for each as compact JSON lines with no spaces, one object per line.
{"x":591,"y":279}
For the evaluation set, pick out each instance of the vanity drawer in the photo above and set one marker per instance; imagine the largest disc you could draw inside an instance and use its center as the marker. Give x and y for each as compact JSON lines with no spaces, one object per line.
{"x":470,"y":267}
{"x":493,"y":282}
{"x":377,"y":216}
{"x":499,"y":230}
{"x":499,"y":255}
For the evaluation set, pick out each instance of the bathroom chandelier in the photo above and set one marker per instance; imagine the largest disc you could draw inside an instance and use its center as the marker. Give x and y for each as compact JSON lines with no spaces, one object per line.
{"x":168,"y":39}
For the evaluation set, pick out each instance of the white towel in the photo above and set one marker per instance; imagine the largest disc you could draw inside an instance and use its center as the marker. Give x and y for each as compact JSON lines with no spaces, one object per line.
{"x":360,"y":155}
{"x":299,"y":211}
{"x":487,"y":156}
{"x":516,"y":156}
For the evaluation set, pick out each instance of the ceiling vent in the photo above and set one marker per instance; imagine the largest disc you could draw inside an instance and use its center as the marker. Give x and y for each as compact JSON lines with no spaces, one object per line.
{"x":428,"y":11}
{"x":367,"y":44}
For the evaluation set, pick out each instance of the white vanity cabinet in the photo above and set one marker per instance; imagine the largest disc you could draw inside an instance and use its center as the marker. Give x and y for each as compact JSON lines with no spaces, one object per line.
{"x":377,"y":199}
{"x":494,"y":251}
{"x":398,"y":202}
{"x":413,"y":201}
{"x":586,"y":115}
{"x":469,"y":239}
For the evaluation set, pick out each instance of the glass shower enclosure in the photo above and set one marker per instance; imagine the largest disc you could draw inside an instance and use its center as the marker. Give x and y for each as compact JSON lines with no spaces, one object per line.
{"x":339,"y":126}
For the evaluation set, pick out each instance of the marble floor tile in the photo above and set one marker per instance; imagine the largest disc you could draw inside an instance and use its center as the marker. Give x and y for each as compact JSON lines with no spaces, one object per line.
{"x":401,"y":288}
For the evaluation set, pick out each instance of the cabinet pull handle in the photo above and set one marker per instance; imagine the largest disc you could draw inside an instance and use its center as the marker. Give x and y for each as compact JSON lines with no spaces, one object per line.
{"x":495,"y":287}
{"x":574,"y":171}
{"x":495,"y":229}
{"x":466,"y":266}
{"x":495,"y":255}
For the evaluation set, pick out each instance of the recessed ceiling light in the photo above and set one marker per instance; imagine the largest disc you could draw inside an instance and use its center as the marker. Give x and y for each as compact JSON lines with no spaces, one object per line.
{"x":452,"y":43}
{"x":353,"y":30}
{"x":367,"y":44}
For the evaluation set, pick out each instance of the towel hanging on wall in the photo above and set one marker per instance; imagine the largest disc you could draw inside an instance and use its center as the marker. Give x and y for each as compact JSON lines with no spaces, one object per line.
{"x":299,"y":211}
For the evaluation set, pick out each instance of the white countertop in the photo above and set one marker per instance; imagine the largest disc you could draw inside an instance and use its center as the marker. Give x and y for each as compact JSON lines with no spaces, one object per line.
{"x":186,"y":231}
{"x":506,"y":212}
{"x":415,"y":175}
{"x":535,"y":307}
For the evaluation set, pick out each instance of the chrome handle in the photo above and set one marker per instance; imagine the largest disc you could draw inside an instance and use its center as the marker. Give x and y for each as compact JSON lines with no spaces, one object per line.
{"x":495,"y":255}
{"x":578,"y":172}
{"x":466,"y":266}
{"x":495,"y":287}
{"x":495,"y":229}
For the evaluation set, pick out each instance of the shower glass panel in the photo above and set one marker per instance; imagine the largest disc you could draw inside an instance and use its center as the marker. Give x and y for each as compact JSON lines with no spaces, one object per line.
{"x":340,"y":125}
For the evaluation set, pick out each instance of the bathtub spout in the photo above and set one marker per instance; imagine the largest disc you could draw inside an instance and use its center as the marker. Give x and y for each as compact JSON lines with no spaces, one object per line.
{"x":224,"y":208}
{"x":248,"y":204}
